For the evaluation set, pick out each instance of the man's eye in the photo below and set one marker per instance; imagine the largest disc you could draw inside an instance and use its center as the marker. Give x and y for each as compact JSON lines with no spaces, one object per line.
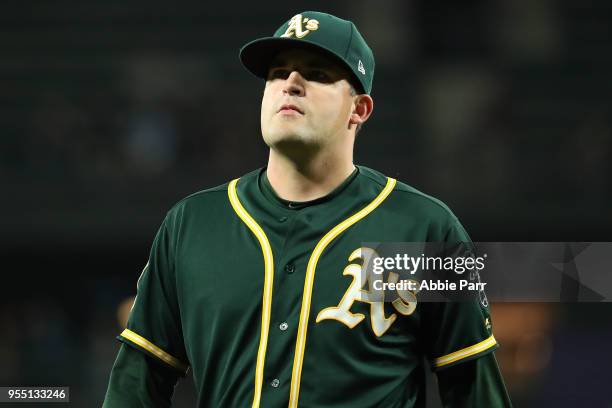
{"x":278,"y":73}
{"x":318,"y":75}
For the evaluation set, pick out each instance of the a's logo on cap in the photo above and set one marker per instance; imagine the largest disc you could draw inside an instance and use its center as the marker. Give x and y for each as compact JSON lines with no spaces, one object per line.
{"x":360,"y":67}
{"x":300,"y":27}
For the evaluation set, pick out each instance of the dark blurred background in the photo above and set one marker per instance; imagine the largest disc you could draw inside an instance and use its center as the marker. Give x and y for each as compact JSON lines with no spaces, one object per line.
{"x":112,"y":111}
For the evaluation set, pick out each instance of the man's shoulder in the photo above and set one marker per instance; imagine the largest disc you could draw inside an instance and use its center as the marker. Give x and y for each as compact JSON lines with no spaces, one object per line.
{"x":209,"y":199}
{"x":409,"y":199}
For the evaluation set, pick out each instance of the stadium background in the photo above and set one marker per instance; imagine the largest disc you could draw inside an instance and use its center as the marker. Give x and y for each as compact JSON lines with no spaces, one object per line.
{"x":112,"y":111}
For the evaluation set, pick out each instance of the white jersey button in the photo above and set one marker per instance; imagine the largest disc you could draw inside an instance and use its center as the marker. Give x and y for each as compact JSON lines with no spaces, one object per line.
{"x":283,"y":326}
{"x":275,"y":382}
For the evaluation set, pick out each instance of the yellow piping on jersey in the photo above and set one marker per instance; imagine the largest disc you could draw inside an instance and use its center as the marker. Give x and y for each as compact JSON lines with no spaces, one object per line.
{"x":153,"y":349}
{"x":310,"y":273}
{"x":266,"y":249}
{"x":465,"y":352}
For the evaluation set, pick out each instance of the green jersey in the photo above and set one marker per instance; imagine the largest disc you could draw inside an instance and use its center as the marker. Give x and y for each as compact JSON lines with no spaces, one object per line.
{"x":260,"y":298}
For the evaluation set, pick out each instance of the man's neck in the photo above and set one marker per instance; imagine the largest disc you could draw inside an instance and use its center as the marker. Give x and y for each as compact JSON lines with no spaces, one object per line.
{"x":309,"y":180}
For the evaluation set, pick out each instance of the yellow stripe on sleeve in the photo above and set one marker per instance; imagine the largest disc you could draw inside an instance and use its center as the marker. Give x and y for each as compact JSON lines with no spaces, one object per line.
{"x":153,"y":349}
{"x":465,"y":352}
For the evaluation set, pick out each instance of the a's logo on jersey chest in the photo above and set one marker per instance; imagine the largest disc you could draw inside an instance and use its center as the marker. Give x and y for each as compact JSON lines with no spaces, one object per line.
{"x":359,"y":290}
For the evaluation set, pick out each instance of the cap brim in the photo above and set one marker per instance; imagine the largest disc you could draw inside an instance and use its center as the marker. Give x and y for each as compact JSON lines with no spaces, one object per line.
{"x":257,"y":55}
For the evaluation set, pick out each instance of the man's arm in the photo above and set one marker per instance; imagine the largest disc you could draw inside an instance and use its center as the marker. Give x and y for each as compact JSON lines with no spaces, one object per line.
{"x":138,"y":381}
{"x":475,"y":383}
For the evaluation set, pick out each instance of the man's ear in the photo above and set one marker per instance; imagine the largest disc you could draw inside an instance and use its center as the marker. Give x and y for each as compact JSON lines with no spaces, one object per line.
{"x":363,"y":105}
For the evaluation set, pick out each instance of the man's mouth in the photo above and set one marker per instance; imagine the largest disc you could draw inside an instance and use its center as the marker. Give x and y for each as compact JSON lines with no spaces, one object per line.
{"x":289,"y":108}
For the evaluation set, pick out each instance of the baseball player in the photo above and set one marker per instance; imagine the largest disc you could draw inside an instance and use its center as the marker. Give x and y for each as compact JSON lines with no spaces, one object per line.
{"x":254,"y":286}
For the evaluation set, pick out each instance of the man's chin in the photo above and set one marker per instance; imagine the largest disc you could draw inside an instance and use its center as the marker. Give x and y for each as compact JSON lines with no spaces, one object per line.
{"x":291,"y":143}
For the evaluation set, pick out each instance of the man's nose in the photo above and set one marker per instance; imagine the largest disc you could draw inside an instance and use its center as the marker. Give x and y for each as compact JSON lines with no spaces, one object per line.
{"x":294,"y":84}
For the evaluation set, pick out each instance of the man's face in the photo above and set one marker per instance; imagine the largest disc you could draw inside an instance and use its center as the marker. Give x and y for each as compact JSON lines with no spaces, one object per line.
{"x":307,"y":100}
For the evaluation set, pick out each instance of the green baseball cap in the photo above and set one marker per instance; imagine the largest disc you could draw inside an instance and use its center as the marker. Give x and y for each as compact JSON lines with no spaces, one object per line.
{"x":334,"y":36}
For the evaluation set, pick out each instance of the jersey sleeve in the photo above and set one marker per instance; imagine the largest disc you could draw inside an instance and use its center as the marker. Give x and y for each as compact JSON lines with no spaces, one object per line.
{"x":154,"y":325}
{"x":477,"y":383}
{"x":137,"y":380}
{"x":459,"y":330}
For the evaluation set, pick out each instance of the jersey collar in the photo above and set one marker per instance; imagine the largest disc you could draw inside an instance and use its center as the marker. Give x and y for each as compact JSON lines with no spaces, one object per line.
{"x":270,"y":194}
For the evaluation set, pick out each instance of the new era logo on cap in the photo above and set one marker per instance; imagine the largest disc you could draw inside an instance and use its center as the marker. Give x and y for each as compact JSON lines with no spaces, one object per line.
{"x":337,"y":38}
{"x":360,"y":67}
